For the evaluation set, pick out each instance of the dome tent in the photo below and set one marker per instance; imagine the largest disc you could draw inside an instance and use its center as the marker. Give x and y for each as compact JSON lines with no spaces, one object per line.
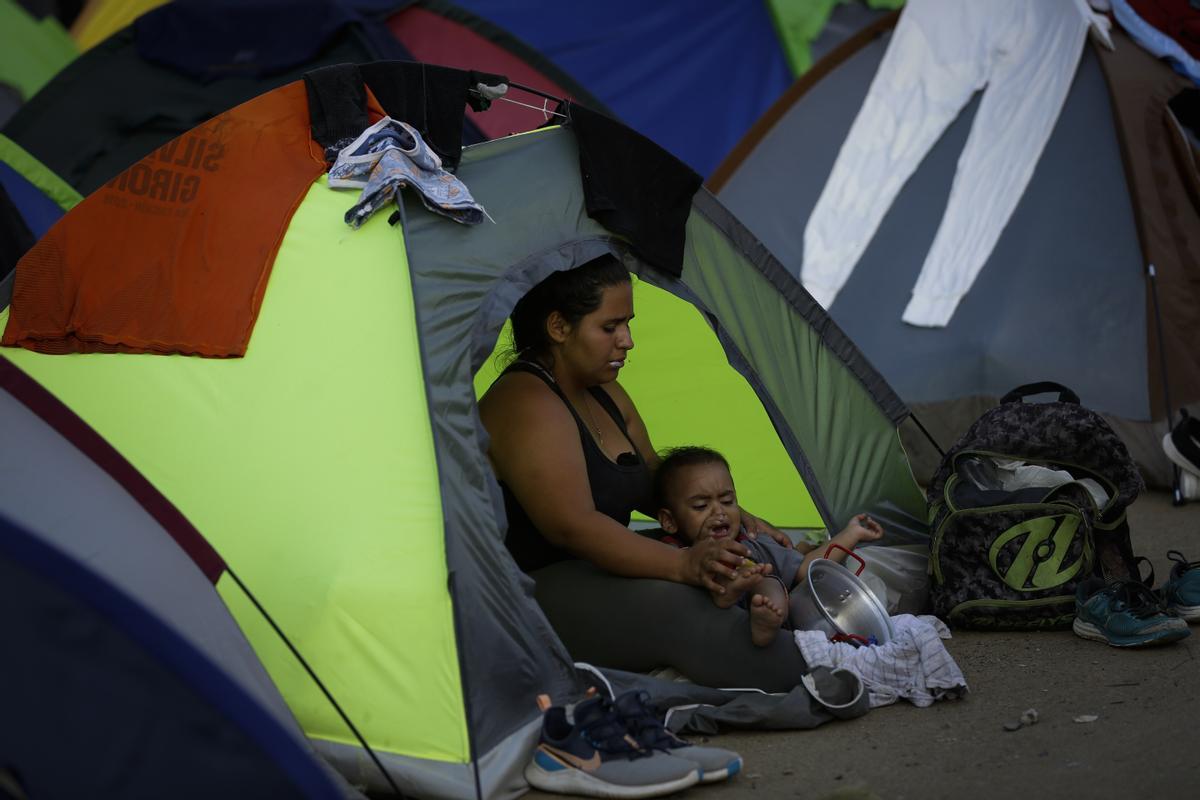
{"x":336,"y":459}
{"x":1066,"y":294}
{"x":129,"y":699}
{"x":190,"y":60}
{"x":32,"y":198}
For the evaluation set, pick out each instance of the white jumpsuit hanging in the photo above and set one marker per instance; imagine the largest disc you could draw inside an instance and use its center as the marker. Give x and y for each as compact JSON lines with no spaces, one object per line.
{"x":1025,"y":53}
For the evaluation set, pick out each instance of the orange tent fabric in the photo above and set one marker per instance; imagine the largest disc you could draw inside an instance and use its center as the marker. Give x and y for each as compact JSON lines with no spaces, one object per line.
{"x":133,"y":268}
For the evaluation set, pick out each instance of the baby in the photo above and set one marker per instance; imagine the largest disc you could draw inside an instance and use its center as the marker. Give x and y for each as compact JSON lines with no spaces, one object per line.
{"x":696,"y":499}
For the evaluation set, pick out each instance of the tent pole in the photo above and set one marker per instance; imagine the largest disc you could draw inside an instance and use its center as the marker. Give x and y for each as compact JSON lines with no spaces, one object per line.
{"x":312,"y":674}
{"x":928,"y":435}
{"x":531,"y":90}
{"x":1176,"y":491}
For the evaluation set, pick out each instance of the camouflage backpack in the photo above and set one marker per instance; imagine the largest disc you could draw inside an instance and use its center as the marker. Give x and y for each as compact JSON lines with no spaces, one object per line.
{"x":1005,"y":556}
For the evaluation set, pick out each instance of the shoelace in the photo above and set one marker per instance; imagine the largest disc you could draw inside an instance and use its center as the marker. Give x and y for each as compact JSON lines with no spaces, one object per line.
{"x":1136,"y":598}
{"x":1182,"y":565}
{"x":644,"y":726}
{"x":607,"y":732}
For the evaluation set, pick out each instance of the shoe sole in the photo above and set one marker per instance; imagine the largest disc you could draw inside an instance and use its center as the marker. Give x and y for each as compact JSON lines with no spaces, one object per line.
{"x":1177,"y":457}
{"x":576,"y":781}
{"x":1187,"y":613}
{"x":1086,"y":630}
{"x":714,"y":775}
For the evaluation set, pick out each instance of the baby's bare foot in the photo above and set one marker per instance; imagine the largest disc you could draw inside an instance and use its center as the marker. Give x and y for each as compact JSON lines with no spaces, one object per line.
{"x":747,"y":578}
{"x":765,"y":619}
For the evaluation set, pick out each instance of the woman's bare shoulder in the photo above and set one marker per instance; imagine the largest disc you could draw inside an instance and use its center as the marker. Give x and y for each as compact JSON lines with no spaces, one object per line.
{"x":516,"y":397}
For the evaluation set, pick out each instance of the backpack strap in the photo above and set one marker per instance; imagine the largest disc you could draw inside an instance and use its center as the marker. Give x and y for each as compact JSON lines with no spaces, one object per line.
{"x":1018,"y":394}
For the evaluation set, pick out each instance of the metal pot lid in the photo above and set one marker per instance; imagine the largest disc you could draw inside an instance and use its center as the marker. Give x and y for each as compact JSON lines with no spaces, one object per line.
{"x":848,"y":604}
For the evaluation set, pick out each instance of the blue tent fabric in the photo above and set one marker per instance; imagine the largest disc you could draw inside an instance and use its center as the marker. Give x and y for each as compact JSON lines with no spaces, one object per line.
{"x":213,"y":39}
{"x":37,"y":210}
{"x":110,"y":701}
{"x":693,"y":75}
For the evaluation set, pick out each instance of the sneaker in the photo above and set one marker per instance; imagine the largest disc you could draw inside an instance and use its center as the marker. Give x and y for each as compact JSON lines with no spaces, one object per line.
{"x":1124,"y":614}
{"x":1181,"y":592}
{"x":1182,"y":444}
{"x":715,"y":763}
{"x":586,"y":750}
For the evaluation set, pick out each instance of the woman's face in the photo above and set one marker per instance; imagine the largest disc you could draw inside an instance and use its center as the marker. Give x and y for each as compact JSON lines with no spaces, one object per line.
{"x":595,"y":347}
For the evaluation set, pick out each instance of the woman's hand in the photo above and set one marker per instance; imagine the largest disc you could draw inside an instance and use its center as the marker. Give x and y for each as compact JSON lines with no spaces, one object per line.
{"x":754,"y":526}
{"x":712,"y":563}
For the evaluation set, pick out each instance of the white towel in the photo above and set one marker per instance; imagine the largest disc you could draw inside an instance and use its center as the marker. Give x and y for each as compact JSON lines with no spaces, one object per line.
{"x":913,"y":665}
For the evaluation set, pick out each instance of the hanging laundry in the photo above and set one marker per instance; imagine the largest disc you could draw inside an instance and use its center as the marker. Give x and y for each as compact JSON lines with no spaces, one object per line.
{"x":1023,"y":55}
{"x":390,"y":155}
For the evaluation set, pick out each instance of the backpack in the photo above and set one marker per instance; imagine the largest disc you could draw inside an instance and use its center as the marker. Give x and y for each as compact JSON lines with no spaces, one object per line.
{"x":1008,"y":556}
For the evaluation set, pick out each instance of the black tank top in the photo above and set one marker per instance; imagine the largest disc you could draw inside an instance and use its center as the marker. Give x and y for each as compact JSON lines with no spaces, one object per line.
{"x":617,"y":488}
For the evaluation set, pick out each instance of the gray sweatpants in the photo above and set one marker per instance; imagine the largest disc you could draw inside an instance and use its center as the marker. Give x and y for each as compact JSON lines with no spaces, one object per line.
{"x":639,"y":624}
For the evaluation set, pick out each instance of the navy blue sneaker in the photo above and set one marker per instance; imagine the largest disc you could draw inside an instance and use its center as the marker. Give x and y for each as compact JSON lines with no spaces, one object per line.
{"x":1181,"y":592}
{"x":587,"y":750}
{"x":715,"y":763}
{"x":1124,"y":614}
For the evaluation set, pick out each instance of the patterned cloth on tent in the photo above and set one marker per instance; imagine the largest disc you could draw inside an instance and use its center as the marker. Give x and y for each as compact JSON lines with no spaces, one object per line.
{"x":390,"y":155}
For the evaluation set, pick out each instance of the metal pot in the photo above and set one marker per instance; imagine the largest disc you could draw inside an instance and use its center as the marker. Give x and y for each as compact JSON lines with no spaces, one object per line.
{"x":835,"y":601}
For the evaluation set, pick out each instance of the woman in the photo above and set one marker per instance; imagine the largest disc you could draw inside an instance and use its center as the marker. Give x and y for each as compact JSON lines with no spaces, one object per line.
{"x":574,"y":460}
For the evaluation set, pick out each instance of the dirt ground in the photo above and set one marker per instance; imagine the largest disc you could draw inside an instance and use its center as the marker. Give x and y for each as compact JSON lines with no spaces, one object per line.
{"x":1144,"y":742}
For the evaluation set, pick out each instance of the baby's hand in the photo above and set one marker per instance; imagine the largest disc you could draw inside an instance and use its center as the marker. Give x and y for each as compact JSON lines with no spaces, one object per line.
{"x":748,"y":575}
{"x":860,"y":529}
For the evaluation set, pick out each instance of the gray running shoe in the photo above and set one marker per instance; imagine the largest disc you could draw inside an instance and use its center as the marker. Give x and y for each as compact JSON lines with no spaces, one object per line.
{"x":715,"y":763}
{"x":587,"y":750}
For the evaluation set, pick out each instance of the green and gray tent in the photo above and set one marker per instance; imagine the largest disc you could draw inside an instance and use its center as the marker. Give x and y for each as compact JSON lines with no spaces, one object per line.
{"x":294,"y":403}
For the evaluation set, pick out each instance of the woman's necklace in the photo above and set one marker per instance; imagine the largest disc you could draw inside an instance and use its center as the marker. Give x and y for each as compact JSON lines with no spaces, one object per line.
{"x":588,"y":408}
{"x":586,"y":405}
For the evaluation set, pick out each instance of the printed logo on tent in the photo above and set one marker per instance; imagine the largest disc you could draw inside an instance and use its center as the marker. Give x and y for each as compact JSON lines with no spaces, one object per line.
{"x":1039,"y":563}
{"x":168,"y":179}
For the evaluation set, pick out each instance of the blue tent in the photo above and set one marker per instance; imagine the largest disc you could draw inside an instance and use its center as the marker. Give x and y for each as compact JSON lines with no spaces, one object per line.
{"x":106,"y":698}
{"x":693,"y":75}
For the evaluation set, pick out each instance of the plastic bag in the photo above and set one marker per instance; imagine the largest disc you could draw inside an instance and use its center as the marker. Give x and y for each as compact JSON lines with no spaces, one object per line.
{"x":898,"y":575}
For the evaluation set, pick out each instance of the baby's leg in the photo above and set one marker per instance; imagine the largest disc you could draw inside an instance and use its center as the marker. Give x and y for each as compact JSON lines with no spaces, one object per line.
{"x":768,"y":608}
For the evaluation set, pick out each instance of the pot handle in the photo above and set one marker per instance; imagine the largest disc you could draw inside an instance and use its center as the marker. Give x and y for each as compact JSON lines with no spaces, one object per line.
{"x":861,"y":564}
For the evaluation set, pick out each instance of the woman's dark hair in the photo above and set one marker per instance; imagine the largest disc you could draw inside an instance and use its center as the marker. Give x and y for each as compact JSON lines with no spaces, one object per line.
{"x":675,"y":459}
{"x":574,"y":293}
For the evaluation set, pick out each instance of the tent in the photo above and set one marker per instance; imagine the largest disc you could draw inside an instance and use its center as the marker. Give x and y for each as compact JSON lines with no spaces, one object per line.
{"x":692,"y":76}
{"x":99,"y":19}
{"x":134,"y":686}
{"x":436,"y":32}
{"x":572,"y":55}
{"x":1066,"y":294}
{"x":332,"y":462}
{"x":34,"y":50}
{"x":186,"y":61}
{"x":32,"y":198}
{"x":175,"y":67}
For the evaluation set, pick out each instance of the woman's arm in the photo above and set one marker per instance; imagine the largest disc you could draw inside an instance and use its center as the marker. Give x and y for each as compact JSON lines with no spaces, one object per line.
{"x":535,"y":450}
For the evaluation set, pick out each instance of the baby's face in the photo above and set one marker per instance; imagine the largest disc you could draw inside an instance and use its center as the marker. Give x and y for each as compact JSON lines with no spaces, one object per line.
{"x":704,"y":502}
